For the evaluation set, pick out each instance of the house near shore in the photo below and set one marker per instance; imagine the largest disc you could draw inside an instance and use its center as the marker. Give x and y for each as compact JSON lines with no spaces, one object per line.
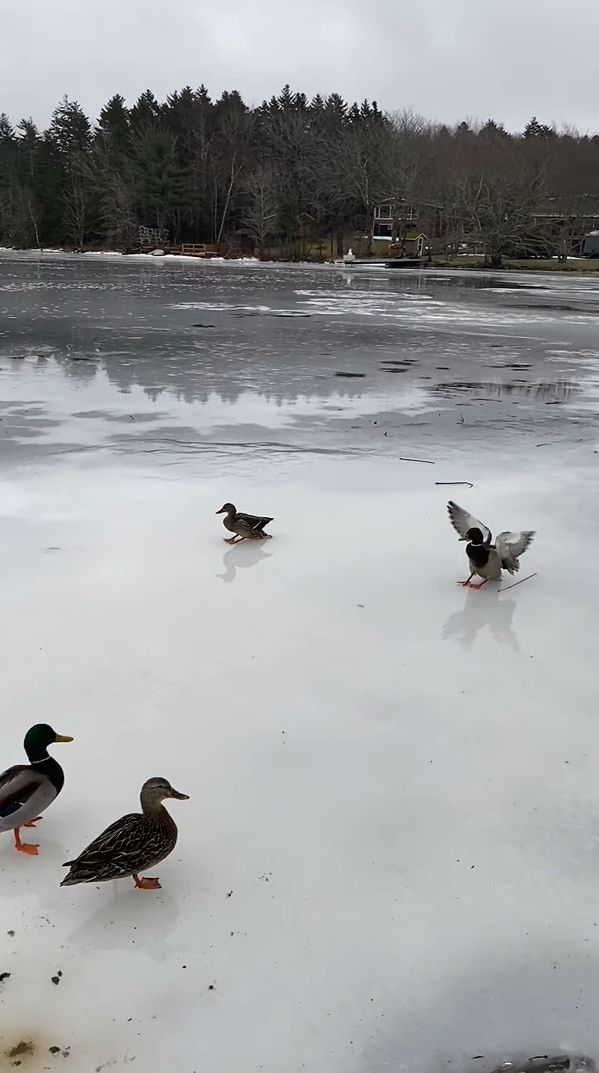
{"x":582,"y":208}
{"x":561,"y":225}
{"x":405,"y":226}
{"x":568,"y":221}
{"x":390,"y":218}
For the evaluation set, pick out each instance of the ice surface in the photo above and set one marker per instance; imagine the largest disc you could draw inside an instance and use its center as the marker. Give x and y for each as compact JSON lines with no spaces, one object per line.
{"x":390,"y":857}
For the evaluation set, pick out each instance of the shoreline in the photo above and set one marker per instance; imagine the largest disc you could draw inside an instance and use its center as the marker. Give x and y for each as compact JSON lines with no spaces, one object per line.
{"x":582,"y":267}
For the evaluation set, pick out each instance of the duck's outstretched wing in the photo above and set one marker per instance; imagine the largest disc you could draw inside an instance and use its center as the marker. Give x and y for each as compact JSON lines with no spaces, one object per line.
{"x":462,"y":521}
{"x":510,"y":546}
{"x":253,"y":521}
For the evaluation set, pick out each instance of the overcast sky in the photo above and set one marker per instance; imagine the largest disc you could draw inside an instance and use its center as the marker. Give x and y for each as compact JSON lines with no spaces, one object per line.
{"x":447,"y":59}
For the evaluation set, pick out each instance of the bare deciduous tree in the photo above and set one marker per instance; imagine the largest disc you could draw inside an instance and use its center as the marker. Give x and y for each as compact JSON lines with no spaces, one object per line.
{"x":76,"y":200}
{"x":260,"y":218}
{"x":497,"y":206}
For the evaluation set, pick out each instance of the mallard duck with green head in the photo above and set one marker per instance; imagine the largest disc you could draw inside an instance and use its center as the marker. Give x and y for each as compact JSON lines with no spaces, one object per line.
{"x":243,"y":526}
{"x":486,"y":559}
{"x":136,"y":842}
{"x":26,"y":790}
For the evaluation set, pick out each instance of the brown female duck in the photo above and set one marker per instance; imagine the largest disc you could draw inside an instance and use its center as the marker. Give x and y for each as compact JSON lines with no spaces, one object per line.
{"x":243,"y":526}
{"x":137,"y":841}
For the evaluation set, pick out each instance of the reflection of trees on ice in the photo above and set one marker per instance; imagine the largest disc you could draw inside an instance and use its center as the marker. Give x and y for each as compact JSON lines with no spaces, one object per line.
{"x":484,"y":608}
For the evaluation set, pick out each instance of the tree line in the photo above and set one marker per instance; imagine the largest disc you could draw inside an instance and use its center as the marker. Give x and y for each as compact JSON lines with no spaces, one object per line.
{"x":292,"y":175}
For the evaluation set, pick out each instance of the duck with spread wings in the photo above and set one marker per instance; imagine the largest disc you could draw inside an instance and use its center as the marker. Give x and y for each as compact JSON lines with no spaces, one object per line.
{"x":487,"y":560}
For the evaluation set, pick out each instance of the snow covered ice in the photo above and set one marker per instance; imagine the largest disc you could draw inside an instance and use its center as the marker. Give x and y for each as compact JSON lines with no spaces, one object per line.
{"x":390,"y":857}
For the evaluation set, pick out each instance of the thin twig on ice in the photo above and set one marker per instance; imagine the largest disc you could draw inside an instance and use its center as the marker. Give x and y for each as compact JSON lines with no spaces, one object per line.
{"x":426,"y":461}
{"x":504,"y":588}
{"x":456,"y":482}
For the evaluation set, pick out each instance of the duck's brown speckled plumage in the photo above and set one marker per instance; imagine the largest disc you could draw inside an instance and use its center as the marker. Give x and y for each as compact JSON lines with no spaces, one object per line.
{"x":136,"y":842}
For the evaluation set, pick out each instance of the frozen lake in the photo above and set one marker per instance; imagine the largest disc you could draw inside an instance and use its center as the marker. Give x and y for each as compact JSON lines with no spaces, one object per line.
{"x":390,"y":858}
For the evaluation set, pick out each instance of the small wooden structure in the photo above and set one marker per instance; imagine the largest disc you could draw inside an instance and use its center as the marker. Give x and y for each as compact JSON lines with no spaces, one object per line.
{"x":410,"y":244}
{"x":152,"y":238}
{"x":198,"y":249}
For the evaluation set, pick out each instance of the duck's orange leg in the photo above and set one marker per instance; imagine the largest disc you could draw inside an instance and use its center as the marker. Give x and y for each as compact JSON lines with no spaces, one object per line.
{"x":145,"y":883}
{"x":32,"y":823}
{"x":25,"y":847}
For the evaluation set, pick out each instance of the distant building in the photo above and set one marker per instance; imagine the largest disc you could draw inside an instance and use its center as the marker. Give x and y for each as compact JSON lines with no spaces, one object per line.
{"x":567,"y":221}
{"x":583,"y":208}
{"x":409,"y":244}
{"x":391,"y":218}
{"x":411,"y":226}
{"x":590,"y":244}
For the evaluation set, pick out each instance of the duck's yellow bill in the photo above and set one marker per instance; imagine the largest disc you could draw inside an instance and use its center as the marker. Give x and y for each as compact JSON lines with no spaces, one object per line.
{"x":63,"y":737}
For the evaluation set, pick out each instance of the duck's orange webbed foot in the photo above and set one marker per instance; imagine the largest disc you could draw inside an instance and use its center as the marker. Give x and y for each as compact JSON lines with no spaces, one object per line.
{"x":146,"y":883}
{"x":30,"y":848}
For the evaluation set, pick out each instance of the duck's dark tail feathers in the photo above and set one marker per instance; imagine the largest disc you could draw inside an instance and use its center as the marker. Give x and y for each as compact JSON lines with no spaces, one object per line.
{"x":70,"y":879}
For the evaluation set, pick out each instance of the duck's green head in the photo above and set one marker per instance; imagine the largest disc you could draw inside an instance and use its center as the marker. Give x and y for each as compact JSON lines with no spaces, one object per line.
{"x":38,"y":738}
{"x":474,"y":536}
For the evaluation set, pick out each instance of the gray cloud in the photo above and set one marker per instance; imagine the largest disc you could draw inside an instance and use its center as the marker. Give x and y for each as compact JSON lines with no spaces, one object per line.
{"x":447,"y":59}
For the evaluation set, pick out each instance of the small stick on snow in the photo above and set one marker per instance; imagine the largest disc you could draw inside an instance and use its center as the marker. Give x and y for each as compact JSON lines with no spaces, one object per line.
{"x":504,"y":588}
{"x":551,"y":443}
{"x":426,"y":461}
{"x":456,"y":482}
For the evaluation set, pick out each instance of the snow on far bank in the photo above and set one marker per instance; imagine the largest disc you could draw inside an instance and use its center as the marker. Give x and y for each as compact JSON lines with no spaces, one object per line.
{"x":129,"y":256}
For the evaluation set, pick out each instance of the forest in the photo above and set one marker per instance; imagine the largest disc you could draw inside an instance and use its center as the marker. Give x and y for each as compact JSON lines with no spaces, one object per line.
{"x":291,"y":177}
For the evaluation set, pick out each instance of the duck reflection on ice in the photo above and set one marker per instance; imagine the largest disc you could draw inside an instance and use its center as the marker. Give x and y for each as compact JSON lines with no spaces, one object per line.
{"x":121,"y":921}
{"x":248,"y":553}
{"x":487,"y":608}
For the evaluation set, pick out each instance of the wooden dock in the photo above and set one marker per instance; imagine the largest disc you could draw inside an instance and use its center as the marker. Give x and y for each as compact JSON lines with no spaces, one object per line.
{"x":388,"y":262}
{"x":198,"y":249}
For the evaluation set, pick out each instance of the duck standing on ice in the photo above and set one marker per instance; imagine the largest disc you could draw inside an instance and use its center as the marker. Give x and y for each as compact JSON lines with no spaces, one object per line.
{"x":243,"y":526}
{"x":486,"y":559}
{"x":137,"y":841}
{"x":26,"y":790}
